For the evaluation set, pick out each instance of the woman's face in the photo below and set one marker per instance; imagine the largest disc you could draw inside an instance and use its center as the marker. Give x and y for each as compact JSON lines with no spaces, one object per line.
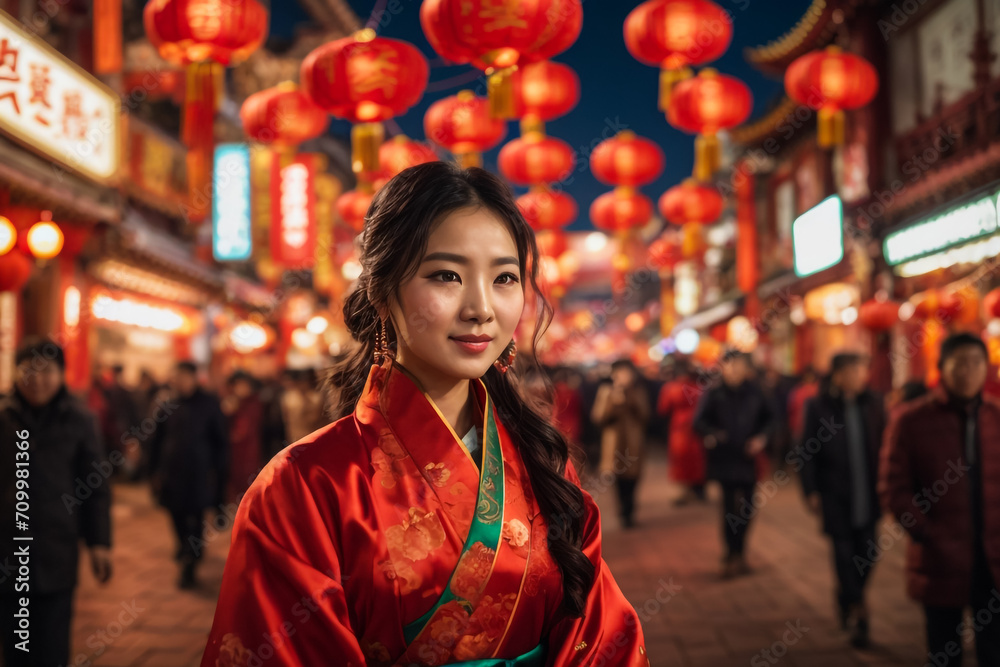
{"x":456,"y":315}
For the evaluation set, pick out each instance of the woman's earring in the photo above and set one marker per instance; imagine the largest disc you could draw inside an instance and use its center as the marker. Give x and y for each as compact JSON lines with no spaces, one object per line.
{"x":506,"y":359}
{"x":382,"y":346}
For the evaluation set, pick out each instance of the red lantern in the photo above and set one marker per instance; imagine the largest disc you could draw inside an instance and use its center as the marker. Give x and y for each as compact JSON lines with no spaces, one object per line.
{"x":535,"y":158}
{"x":463,"y":125}
{"x":402,"y":153}
{"x":665,"y":253}
{"x":991,"y":304}
{"x":496,"y":36}
{"x":831,"y":81}
{"x":704,"y":105}
{"x":675,"y":34}
{"x":282,"y":117}
{"x":201,"y":35}
{"x":352,"y":206}
{"x":365,"y":79}
{"x":878,"y":315}
{"x":938,"y":305}
{"x":186,"y":32}
{"x":544,"y":90}
{"x":15,"y":269}
{"x":691,"y":201}
{"x":547,"y":209}
{"x":552,"y":243}
{"x":621,"y":210}
{"x":627,"y":160}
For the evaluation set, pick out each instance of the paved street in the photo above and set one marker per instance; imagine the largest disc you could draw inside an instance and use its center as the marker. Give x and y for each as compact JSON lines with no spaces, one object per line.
{"x":780,"y":615}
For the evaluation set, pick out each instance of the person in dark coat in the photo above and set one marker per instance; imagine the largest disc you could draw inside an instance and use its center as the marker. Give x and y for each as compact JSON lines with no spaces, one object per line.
{"x":190,"y":462}
{"x":841,"y":436}
{"x":54,"y":461}
{"x":734,"y":419}
{"x":940,"y":478}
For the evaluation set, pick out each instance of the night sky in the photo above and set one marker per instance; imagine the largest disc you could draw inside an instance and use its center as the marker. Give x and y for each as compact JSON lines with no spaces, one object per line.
{"x":616,"y":89}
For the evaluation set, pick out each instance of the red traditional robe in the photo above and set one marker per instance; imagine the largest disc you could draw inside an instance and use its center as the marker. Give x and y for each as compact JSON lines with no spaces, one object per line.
{"x":678,"y":401}
{"x":349,"y":537}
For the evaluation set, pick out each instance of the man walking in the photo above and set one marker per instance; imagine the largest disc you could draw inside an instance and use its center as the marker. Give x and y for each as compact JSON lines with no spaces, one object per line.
{"x":54,"y":465}
{"x":839,"y":479}
{"x":940,"y":478}
{"x":190,"y":462}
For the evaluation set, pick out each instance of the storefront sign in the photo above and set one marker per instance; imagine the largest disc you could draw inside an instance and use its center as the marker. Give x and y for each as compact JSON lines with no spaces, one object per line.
{"x":157,"y":165}
{"x":53,"y":106}
{"x":293,"y":228}
{"x":818,"y":237}
{"x":137,"y":314}
{"x":231,"y":203}
{"x":955,"y":227}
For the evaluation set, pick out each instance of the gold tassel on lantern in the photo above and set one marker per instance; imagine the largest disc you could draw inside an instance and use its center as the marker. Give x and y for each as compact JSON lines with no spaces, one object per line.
{"x":707,"y":156}
{"x":668,"y":316}
{"x":466,"y":160}
{"x":365,"y":141}
{"x":692,"y":242}
{"x":532,"y":125}
{"x":668,"y":79}
{"x":830,"y":127}
{"x":500,"y":86}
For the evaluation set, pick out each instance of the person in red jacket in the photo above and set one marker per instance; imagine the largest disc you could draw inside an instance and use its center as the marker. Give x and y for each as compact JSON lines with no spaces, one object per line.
{"x":940,"y":478}
{"x":677,"y":401}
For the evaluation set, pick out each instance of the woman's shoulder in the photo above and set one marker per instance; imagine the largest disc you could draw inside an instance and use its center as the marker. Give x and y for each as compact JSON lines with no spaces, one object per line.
{"x":330,"y":457}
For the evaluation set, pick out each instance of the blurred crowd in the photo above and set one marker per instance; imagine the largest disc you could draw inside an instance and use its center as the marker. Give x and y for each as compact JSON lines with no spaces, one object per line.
{"x":928,"y":457}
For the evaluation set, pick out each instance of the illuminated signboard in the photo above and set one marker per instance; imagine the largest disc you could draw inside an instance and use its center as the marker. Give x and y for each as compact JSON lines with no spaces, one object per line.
{"x":818,"y":237}
{"x":954,"y":227}
{"x":53,"y":106}
{"x":231,"y":220}
{"x":293,"y":221}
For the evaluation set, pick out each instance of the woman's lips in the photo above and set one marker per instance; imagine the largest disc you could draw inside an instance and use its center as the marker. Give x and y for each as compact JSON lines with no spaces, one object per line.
{"x":472,"y":347}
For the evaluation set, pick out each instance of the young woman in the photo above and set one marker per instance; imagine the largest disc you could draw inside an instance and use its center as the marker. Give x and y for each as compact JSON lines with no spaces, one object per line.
{"x":439,"y":521}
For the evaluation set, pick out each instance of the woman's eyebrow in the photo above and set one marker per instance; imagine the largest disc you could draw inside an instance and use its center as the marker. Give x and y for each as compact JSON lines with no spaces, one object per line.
{"x":462,"y":259}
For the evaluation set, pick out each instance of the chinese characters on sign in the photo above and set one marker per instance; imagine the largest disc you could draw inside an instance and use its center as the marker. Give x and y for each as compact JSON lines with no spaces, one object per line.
{"x":231,"y":203}
{"x":54,"y":107}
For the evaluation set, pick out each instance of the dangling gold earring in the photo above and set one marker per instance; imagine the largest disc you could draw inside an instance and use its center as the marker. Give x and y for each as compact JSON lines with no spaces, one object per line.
{"x":506,"y":359}
{"x":382,"y":346}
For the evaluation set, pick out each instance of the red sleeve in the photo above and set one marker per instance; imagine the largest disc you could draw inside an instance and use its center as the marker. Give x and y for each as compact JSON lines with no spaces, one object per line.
{"x":609,"y":633}
{"x":281,"y":601}
{"x":663,"y":402}
{"x":896,"y":476}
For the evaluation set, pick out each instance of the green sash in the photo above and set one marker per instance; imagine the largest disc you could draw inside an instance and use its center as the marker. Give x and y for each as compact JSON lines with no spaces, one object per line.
{"x":487,"y":525}
{"x":533,"y":658}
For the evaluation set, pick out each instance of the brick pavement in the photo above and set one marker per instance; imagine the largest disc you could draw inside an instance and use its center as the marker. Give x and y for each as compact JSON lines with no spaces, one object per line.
{"x":141,"y":619}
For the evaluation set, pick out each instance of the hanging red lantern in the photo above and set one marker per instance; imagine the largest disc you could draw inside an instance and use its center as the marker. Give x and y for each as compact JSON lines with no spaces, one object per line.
{"x":282,"y":117}
{"x":691,"y":202}
{"x":552,"y":243}
{"x":621,"y":210}
{"x":463,"y":125}
{"x":544,"y":208}
{"x":402,"y":153}
{"x":496,"y":36}
{"x":938,"y":305}
{"x":830,"y":81}
{"x":365,"y":79}
{"x":352,"y":206}
{"x":878,"y":315}
{"x":15,"y":269}
{"x":676,"y":34}
{"x":535,"y":159}
{"x":626,"y":159}
{"x":544,"y":90}
{"x":665,"y":253}
{"x":704,"y":105}
{"x":201,"y":35}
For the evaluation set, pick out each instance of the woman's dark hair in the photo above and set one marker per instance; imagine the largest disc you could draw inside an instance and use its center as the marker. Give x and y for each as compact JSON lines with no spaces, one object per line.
{"x":398,"y":225}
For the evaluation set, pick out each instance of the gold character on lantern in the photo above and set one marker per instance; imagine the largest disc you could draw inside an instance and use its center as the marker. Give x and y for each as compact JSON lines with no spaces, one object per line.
{"x":502,"y":14}
{"x":379,"y":73}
